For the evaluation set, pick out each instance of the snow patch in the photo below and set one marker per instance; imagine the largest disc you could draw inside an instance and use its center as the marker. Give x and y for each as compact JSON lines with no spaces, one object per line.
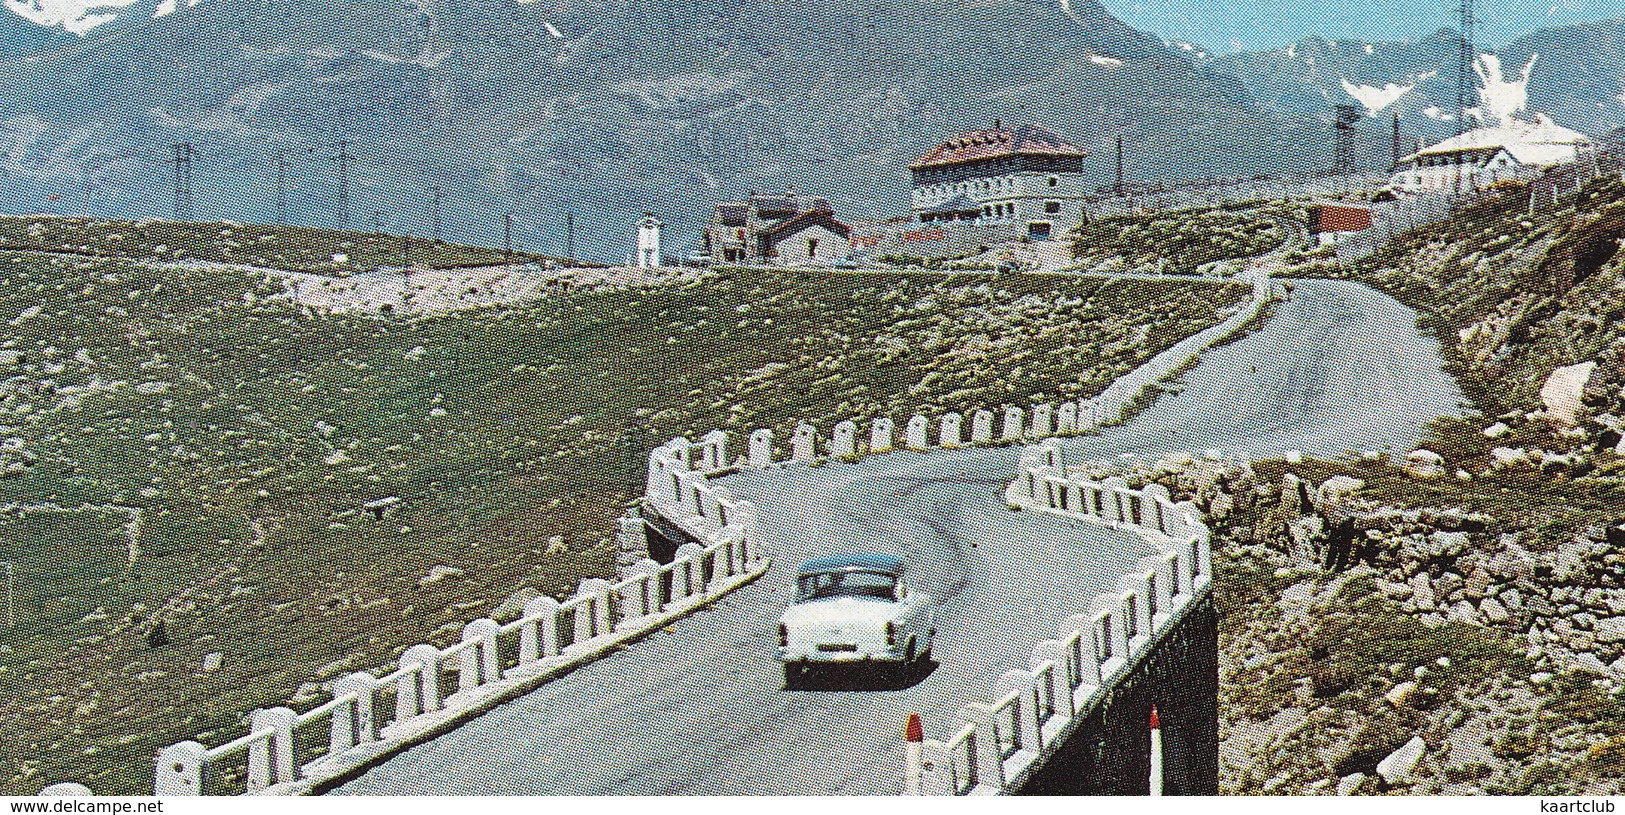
{"x":72,"y":16}
{"x":1376,"y":99}
{"x":1109,"y":62}
{"x":1501,"y":98}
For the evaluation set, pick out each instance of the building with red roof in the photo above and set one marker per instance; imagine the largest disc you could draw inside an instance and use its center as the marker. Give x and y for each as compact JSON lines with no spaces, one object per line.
{"x":1026,"y":176}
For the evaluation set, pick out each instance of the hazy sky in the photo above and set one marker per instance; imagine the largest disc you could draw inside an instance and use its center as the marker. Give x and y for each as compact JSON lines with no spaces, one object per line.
{"x":1246,"y":25}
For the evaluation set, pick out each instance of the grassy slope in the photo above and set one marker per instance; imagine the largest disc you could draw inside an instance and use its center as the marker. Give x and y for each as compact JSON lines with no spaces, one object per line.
{"x":294,"y":248}
{"x":250,"y":435}
{"x":1184,"y":239}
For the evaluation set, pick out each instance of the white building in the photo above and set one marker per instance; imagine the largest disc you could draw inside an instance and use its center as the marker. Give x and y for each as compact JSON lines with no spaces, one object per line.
{"x":1480,"y":157}
{"x":648,"y":256}
{"x":1025,"y":176}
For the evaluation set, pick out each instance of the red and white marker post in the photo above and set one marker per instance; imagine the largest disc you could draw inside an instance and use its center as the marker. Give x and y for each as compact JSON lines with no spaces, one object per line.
{"x":913,"y":763}
{"x":1156,"y":753}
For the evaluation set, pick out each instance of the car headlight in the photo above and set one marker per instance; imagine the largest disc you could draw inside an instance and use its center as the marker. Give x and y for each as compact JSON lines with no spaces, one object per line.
{"x":784,"y":635}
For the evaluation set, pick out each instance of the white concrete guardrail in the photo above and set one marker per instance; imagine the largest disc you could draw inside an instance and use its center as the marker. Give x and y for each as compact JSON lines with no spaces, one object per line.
{"x":677,"y":469}
{"x":1035,"y":710}
{"x":290,"y":753}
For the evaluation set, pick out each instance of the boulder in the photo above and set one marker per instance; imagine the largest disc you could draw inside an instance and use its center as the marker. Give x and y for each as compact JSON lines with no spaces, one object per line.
{"x":1493,"y":610}
{"x":1424,"y":464}
{"x":1422,"y":593}
{"x":1503,"y":458}
{"x":1609,"y":630}
{"x":1396,"y":769}
{"x":1399,"y":694}
{"x":1339,"y":486}
{"x":1563,"y":390}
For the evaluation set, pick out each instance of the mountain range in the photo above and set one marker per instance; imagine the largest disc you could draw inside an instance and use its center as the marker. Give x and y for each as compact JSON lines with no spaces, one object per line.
{"x":608,"y":108}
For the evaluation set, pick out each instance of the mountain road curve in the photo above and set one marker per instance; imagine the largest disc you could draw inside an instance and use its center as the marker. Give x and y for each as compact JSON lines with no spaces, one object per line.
{"x":701,"y":706}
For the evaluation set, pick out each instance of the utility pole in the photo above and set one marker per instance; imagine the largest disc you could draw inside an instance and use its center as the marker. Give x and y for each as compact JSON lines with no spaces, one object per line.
{"x":1467,"y":56}
{"x":343,"y":160}
{"x":183,"y":181}
{"x":1119,"y":187}
{"x":570,"y":235}
{"x":1397,"y":148}
{"x":507,"y":238}
{"x":434,"y":212}
{"x":281,"y":187}
{"x":1343,"y":130}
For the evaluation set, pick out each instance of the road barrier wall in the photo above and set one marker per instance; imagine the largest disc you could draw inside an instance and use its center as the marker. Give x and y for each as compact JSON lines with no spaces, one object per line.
{"x":1033,"y":711}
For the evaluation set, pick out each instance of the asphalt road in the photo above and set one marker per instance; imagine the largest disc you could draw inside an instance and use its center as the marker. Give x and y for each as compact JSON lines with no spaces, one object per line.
{"x":700,"y":708}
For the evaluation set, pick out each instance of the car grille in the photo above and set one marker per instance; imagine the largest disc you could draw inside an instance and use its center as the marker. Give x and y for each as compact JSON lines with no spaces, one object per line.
{"x":841,"y":646}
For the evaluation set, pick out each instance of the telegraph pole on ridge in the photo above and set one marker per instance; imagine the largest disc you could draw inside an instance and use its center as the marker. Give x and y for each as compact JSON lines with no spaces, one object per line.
{"x":183,"y":180}
{"x":434,"y":202}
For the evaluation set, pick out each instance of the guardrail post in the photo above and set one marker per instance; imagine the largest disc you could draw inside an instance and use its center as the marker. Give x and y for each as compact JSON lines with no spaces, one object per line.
{"x":270,"y":760}
{"x":981,"y":427}
{"x":881,"y":435}
{"x":989,"y":755}
{"x":1012,"y":423}
{"x":180,"y":769}
{"x":362,"y":726}
{"x":1152,"y":498}
{"x":936,"y":769}
{"x":845,"y":441}
{"x":804,"y":444}
{"x":641,"y":595}
{"x":761,"y":448}
{"x":1054,"y":652}
{"x":1043,"y":419}
{"x":590,"y":619}
{"x":917,"y":435}
{"x":426,"y":693}
{"x":948,"y":435}
{"x":714,"y":451}
{"x":477,"y":664}
{"x":1028,"y":717}
{"x":540,"y":638}
{"x":689,"y":569}
{"x":1066,"y":419}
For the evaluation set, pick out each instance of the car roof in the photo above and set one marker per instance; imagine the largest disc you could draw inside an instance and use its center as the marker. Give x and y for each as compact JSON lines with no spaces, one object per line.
{"x":865,"y":562}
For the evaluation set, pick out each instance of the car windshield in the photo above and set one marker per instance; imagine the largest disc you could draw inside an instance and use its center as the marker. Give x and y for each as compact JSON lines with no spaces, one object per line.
{"x":850,"y":584}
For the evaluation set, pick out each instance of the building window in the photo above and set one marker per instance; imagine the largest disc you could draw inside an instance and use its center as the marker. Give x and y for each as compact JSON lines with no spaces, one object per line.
{"x":1052,"y":207}
{"x":1053,"y":181}
{"x":812,"y":247}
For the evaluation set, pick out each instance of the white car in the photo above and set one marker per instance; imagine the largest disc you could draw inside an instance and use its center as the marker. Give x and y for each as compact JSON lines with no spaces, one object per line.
{"x":854,"y":609}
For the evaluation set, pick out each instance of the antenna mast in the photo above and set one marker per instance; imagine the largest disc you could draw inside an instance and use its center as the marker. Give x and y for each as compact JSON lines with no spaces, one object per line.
{"x":1465,"y":86}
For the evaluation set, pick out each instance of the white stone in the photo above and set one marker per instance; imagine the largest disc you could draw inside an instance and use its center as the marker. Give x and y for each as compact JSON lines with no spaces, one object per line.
{"x":1563,"y":389}
{"x":1506,"y":457}
{"x":1609,"y":629}
{"x":981,"y":428}
{"x":212,"y":662}
{"x":1349,"y":783}
{"x":1497,"y":430}
{"x":1338,"y":486}
{"x":1399,"y":694}
{"x":916,"y":434}
{"x":845,"y":442}
{"x":1398,"y":766}
{"x":1013,"y":417}
{"x":881,"y":435}
{"x":948,"y":434}
{"x":1424,"y":464}
{"x":1493,"y":610}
